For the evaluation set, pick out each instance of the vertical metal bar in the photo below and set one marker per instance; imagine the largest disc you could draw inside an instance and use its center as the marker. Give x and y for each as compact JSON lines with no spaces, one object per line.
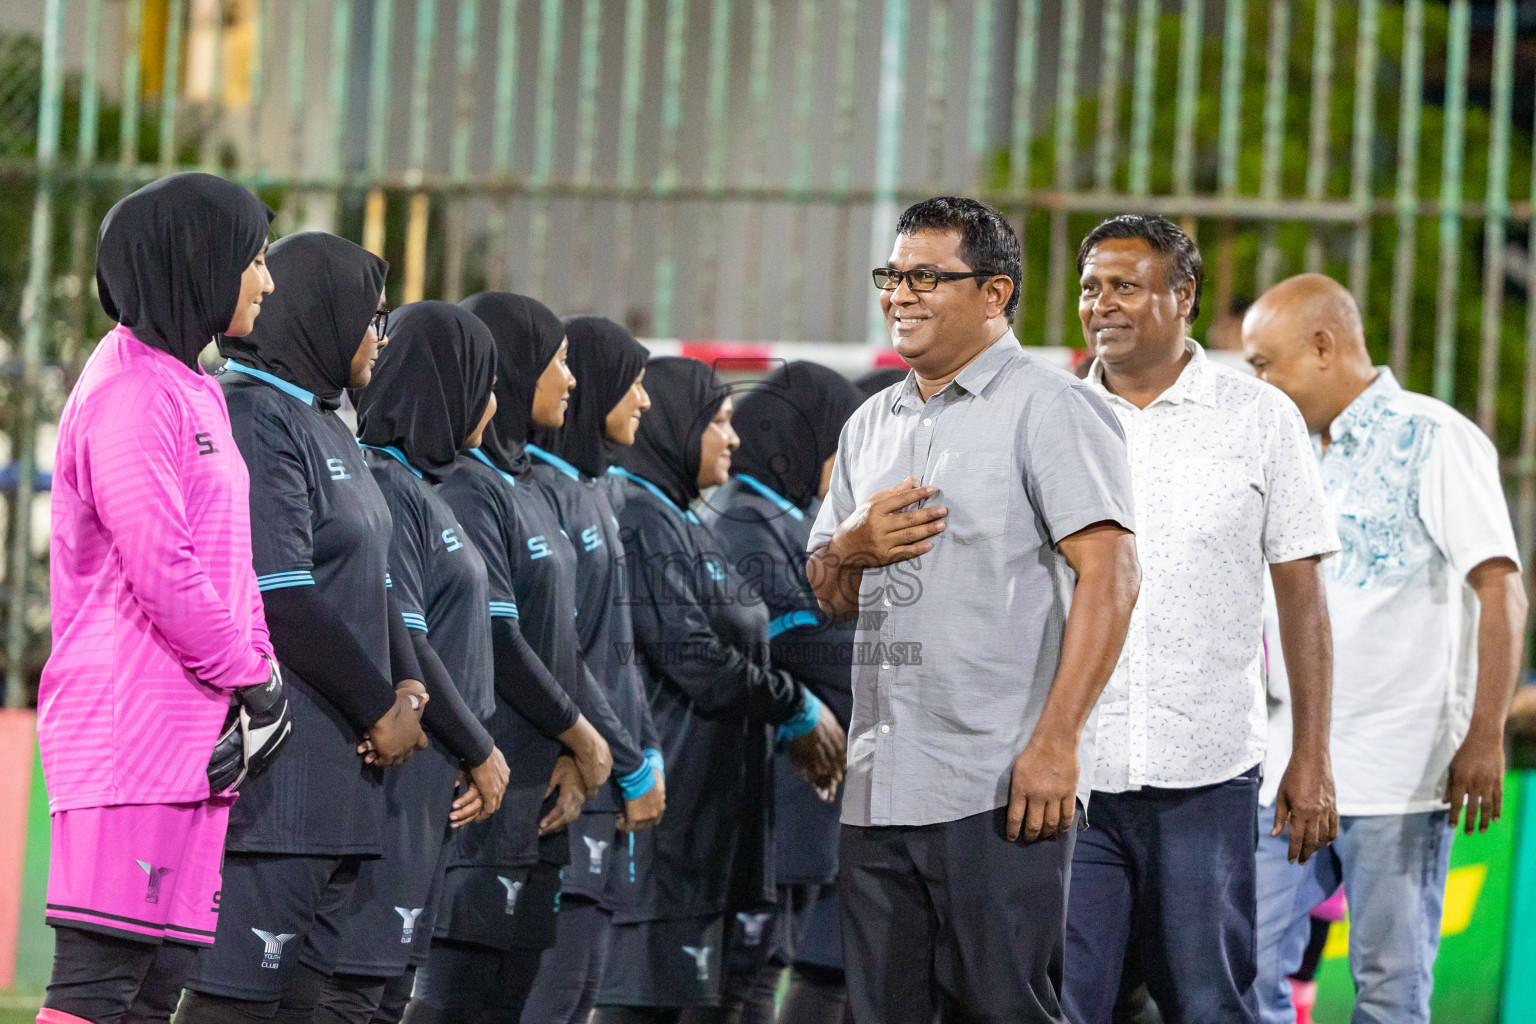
{"x":379,"y":67}
{"x":458,"y":166}
{"x":1525,"y":522}
{"x":842,"y":168}
{"x":1450,"y":200}
{"x":629,"y":126}
{"x":1109,"y":95}
{"x":1025,"y":71}
{"x":251,"y":156}
{"x":543,"y":143}
{"x":1360,"y":162}
{"x":792,"y":324}
{"x":1322,"y":102}
{"x":891,"y":99}
{"x":1496,"y":212}
{"x":586,"y":146}
{"x":128,"y":123}
{"x":1187,"y":103}
{"x":671,"y":126}
{"x":85,"y":155}
{"x":1272,"y":160}
{"x":298,"y":35}
{"x":758,"y":83}
{"x":340,"y":70}
{"x":1406,"y":201}
{"x":1066,"y":159}
{"x":503,"y":124}
{"x":1143,"y":96}
{"x":1230,"y":138}
{"x":981,"y":81}
{"x":418,"y":213}
{"x":213,"y":132}
{"x":90,"y":92}
{"x":34,"y":316}
{"x":169,"y":83}
{"x":936,"y":72}
{"x":714,"y":162}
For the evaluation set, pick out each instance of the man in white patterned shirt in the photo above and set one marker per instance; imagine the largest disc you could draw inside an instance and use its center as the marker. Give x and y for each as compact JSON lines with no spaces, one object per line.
{"x":1429,"y":612}
{"x":1223,"y":481}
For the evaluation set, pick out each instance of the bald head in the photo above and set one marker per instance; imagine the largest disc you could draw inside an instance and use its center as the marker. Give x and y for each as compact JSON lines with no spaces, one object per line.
{"x":1305,"y":336}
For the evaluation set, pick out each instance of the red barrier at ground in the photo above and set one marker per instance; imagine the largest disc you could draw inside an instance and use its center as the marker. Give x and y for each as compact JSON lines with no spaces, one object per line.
{"x":18,"y":737}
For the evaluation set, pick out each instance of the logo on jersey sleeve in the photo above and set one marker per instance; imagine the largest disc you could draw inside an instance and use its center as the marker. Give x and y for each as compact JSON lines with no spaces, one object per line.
{"x":408,"y":927}
{"x":338,"y":469}
{"x":752,"y":928}
{"x":700,"y":956}
{"x":591,"y":539}
{"x":513,"y":888}
{"x":716,"y":571}
{"x":205,"y":445}
{"x":272,"y":955}
{"x":538,"y":547}
{"x":451,"y":540}
{"x":152,"y":890}
{"x":595,"y":850}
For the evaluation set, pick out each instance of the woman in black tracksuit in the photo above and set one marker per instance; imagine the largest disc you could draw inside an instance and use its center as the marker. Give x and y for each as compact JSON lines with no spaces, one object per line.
{"x":503,"y":891}
{"x":569,"y":464}
{"x":429,"y":397}
{"x":320,"y":531}
{"x":714,"y":699}
{"x":789,"y":428}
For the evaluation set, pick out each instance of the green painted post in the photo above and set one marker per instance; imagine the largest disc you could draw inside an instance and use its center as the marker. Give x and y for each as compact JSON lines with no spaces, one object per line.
{"x":1113,"y":28}
{"x":714,"y":160}
{"x":1450,"y":201}
{"x":891,"y":103}
{"x":587,"y":80}
{"x":128,"y":121}
{"x":1066,"y":157}
{"x":629,"y":122}
{"x":90,"y":92}
{"x":336,"y":88}
{"x":936,"y":74}
{"x":34,"y":317}
{"x":1143,"y":96}
{"x":537,"y":252}
{"x":252,"y":163}
{"x":674,"y":47}
{"x":801,"y":127}
{"x":842,"y":175}
{"x":421,"y":88}
{"x":1229,"y":131}
{"x":1188,"y":99}
{"x":757,"y":149}
{"x":1272,"y":157}
{"x":298,"y":36}
{"x":1360,"y":161}
{"x":1496,"y":212}
{"x":85,"y":156}
{"x":1405,"y":202}
{"x":503,"y":122}
{"x":458,"y":167}
{"x":1525,"y":522}
{"x":1322,"y":100}
{"x":981,"y":82}
{"x":380,"y":71}
{"x":169,"y":83}
{"x":1025,"y":70}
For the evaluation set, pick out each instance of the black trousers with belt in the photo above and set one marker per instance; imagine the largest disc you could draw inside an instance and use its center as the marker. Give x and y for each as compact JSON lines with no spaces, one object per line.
{"x":952,"y":921}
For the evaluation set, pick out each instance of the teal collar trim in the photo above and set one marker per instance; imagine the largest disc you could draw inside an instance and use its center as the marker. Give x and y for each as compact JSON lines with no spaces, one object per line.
{"x":508,"y":477}
{"x":626,"y":474}
{"x":307,"y":397}
{"x":554,"y":460}
{"x":784,"y":504}
{"x":390,"y":449}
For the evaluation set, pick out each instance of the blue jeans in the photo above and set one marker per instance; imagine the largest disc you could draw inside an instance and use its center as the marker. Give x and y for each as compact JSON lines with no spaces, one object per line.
{"x":1393,"y":869}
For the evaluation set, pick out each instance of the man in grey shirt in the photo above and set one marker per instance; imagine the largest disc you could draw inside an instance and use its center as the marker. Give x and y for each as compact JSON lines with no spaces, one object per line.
{"x":979,"y":524}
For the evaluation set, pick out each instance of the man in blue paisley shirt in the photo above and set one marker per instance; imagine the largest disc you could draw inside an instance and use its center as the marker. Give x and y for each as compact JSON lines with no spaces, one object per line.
{"x":1428,"y":614}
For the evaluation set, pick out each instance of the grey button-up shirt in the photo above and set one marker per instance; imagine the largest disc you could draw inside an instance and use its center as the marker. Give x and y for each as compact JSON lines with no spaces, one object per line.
{"x":957,"y":650}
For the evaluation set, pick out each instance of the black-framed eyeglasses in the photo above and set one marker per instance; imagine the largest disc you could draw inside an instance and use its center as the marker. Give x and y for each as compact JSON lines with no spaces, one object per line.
{"x":380,"y":318}
{"x":888,"y":279}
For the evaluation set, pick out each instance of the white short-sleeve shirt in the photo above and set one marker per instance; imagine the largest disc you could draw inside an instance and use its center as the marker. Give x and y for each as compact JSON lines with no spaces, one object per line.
{"x":1224,"y":480}
{"x":1416,"y":492}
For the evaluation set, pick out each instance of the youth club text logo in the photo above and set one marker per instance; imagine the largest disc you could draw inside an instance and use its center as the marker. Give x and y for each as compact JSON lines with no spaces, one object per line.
{"x":513,"y":888}
{"x":408,"y":928}
{"x":700,"y":956}
{"x":272,"y":955}
{"x":595,"y":848}
{"x":152,"y":891}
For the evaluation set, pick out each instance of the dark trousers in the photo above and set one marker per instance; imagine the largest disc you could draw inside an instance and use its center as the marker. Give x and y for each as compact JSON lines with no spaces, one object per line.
{"x":1172,"y":871}
{"x":953,"y":921}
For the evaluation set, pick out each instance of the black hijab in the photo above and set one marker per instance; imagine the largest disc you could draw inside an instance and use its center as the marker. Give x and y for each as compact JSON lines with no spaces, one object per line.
{"x":606,"y":360}
{"x":169,"y":259}
{"x":326,"y":291}
{"x":527,"y":336}
{"x":878,"y":379}
{"x":685,"y":395}
{"x":789,"y":426}
{"x":430,"y":385}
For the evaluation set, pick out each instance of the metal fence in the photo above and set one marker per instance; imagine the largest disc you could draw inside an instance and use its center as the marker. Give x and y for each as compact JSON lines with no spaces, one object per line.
{"x":732,"y":168}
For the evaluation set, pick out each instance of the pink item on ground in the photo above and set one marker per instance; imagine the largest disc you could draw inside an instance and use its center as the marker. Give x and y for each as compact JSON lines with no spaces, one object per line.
{"x":50,"y":1016}
{"x":148,"y":872}
{"x":156,"y":615}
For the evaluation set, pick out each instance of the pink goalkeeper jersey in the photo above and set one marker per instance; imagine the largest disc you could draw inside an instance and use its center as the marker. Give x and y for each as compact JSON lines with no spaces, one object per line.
{"x":156,"y":615}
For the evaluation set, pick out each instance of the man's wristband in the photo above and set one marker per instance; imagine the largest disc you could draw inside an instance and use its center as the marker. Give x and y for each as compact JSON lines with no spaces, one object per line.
{"x":657,"y":762}
{"x":638,"y":782}
{"x":805,"y":719}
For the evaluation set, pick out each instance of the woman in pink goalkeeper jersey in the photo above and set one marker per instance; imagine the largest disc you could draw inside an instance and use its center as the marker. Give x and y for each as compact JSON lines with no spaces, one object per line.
{"x":157,"y":621}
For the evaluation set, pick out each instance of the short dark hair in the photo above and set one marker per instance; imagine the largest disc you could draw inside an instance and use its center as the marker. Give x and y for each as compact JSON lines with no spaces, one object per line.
{"x":987,"y":241}
{"x":1181,"y":260}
